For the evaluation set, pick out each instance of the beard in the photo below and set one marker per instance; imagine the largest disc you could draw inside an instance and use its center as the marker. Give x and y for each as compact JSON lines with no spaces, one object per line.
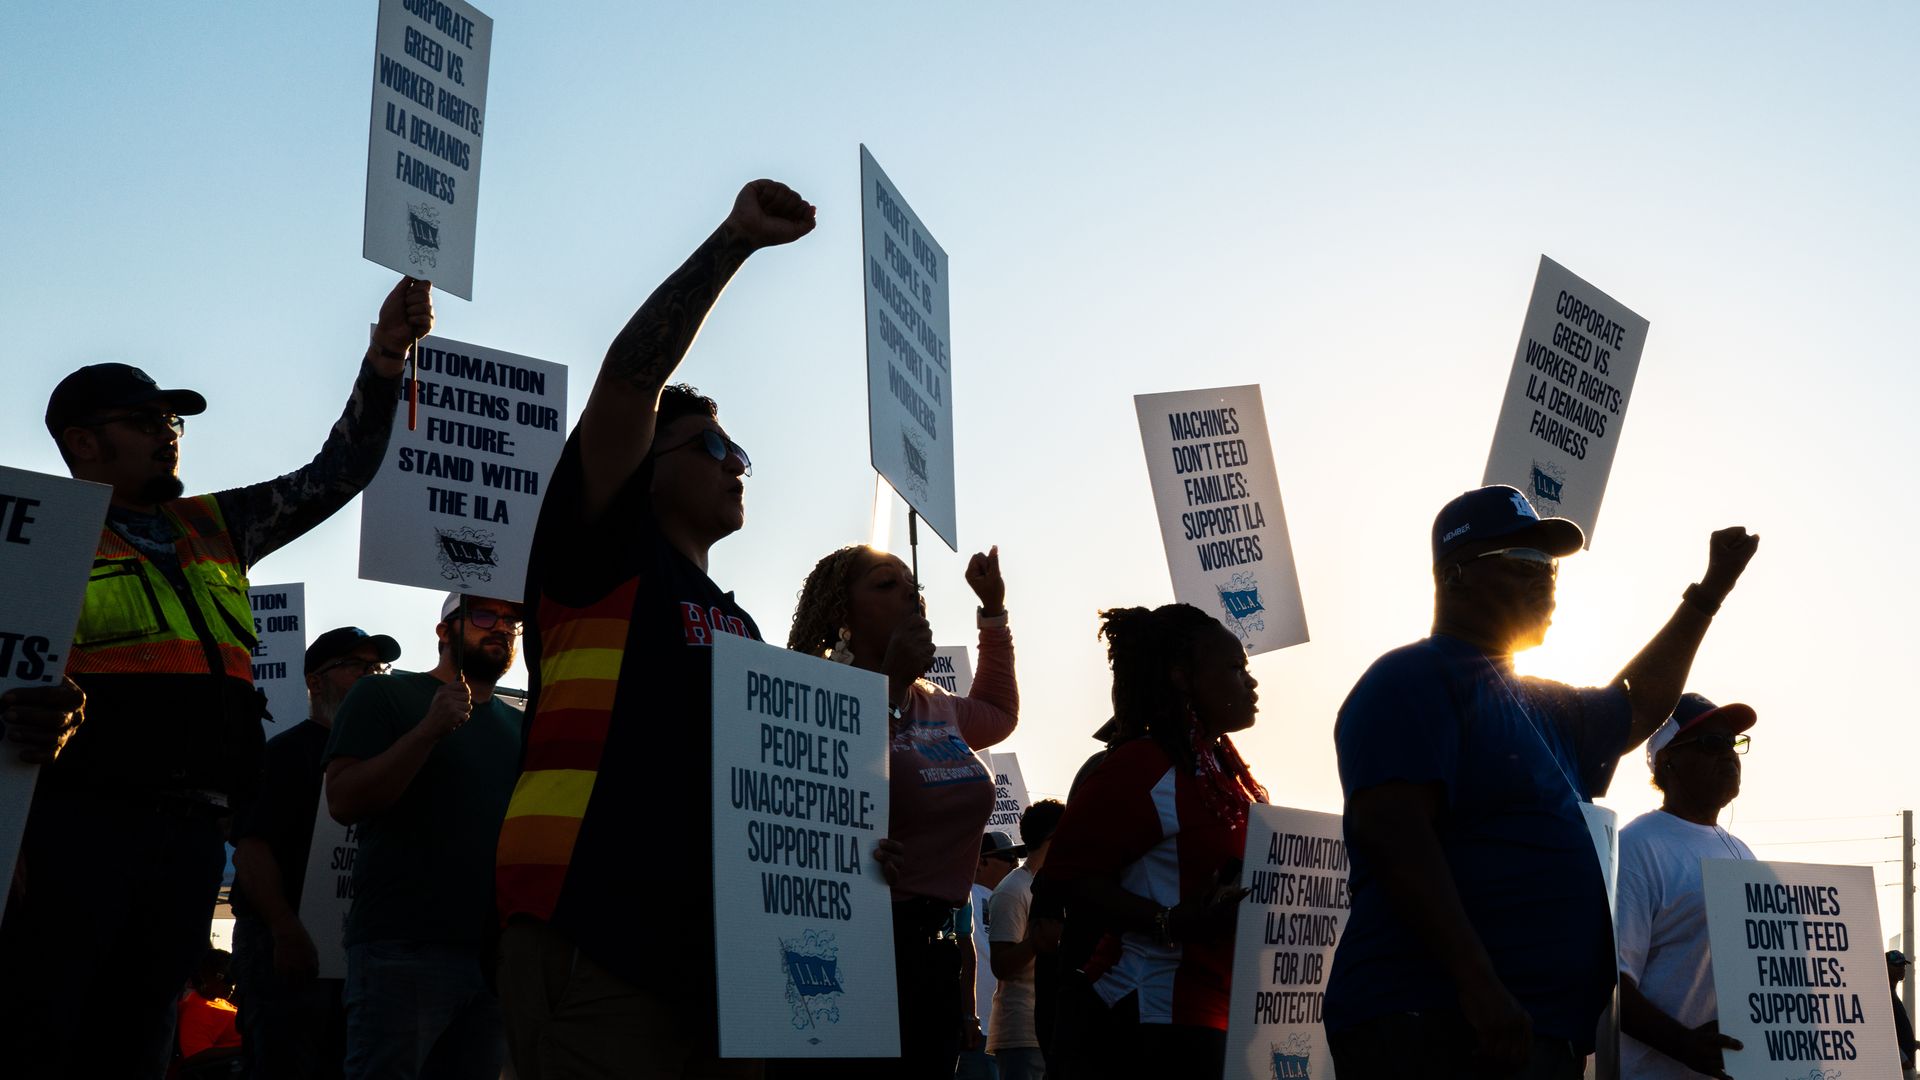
{"x":159,"y":489}
{"x":479,"y":667}
{"x":322,"y":705}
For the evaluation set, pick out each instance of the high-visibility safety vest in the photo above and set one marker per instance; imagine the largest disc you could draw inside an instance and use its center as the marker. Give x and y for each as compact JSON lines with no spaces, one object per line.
{"x":134,"y":622}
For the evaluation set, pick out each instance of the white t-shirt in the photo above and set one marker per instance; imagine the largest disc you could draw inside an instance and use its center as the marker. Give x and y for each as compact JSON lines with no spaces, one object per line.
{"x":1013,"y":1001}
{"x":983,"y":980}
{"x":1662,"y":928}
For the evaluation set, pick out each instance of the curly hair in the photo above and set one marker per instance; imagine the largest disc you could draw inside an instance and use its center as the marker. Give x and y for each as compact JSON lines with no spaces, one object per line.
{"x":681,"y":399}
{"x":822,"y":609}
{"x":1143,"y":648}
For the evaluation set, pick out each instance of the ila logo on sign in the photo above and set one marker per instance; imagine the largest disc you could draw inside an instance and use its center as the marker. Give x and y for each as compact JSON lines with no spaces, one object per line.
{"x":812,"y":966}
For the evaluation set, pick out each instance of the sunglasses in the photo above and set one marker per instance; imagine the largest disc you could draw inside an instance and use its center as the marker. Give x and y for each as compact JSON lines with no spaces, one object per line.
{"x":367,"y":667}
{"x":146,"y":423}
{"x":717,"y":445}
{"x":1524,"y":557}
{"x":487,"y":620}
{"x":1717,"y":742}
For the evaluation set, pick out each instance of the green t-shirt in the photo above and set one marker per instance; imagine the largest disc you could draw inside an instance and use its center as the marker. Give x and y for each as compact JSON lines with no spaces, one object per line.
{"x":425,"y":868}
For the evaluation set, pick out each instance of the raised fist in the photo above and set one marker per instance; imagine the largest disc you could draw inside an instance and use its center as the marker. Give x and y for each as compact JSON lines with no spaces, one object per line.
{"x":1728,"y":552}
{"x":983,"y":576}
{"x":768,"y":213}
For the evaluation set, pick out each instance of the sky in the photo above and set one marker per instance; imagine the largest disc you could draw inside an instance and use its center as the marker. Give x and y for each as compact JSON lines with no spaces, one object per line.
{"x":1342,"y":203}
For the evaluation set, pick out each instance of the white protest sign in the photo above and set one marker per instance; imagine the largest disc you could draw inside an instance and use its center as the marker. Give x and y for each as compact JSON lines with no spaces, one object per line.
{"x":327,"y":893}
{"x":280,"y":659}
{"x":1296,"y":867}
{"x":909,"y":383}
{"x":1603,"y":828}
{"x":454,"y":505}
{"x":1218,"y":496}
{"x":49,"y":527}
{"x":805,"y":958}
{"x":1567,"y":397}
{"x":951,"y":670}
{"x":1009,"y":793}
{"x":1798,"y":971}
{"x":423,"y":143}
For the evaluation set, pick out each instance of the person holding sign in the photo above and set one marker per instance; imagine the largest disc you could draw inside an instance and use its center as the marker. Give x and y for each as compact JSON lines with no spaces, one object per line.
{"x":39,"y":720}
{"x":423,"y":763}
{"x":620,"y":707}
{"x":1152,"y":840}
{"x":294,"y":1022}
{"x":124,"y":834}
{"x":1669,"y":1020}
{"x":863,"y":607}
{"x":1480,"y":942}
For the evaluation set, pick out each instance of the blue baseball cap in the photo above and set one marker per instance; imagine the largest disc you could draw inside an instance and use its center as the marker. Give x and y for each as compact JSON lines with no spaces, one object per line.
{"x":1500,"y":511}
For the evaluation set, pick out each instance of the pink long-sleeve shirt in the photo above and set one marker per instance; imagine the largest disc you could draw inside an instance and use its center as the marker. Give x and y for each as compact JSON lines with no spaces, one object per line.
{"x":942,"y":795}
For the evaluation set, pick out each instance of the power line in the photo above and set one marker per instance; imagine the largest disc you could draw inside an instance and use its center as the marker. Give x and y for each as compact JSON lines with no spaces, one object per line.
{"x":1800,"y":843}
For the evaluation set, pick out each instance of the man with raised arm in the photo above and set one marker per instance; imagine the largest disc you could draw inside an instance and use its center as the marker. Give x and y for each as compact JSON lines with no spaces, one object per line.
{"x":124,"y":838}
{"x":606,"y":958}
{"x":1480,"y":943}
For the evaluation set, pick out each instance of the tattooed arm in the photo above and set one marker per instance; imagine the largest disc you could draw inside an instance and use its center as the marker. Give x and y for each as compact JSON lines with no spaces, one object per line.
{"x":616,"y":429}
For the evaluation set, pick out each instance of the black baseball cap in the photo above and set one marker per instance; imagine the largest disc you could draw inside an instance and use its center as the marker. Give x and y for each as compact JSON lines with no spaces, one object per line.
{"x":113,"y":386}
{"x":995,"y":843}
{"x":340,"y":641}
{"x":1500,"y":511}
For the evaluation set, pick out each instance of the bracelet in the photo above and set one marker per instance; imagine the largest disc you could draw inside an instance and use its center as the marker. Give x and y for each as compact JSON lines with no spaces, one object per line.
{"x":382,"y":350}
{"x":1697,"y":596}
{"x":989,"y":622}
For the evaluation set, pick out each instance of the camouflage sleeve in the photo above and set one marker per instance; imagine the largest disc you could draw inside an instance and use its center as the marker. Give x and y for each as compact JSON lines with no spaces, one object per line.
{"x":265,"y":517}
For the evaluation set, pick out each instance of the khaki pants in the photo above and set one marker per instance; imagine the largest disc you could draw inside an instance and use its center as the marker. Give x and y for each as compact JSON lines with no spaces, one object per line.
{"x":568,"y":1018}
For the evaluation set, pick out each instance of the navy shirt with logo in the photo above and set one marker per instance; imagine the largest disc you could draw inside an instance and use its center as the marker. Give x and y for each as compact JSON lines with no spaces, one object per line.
{"x":1516,"y":757}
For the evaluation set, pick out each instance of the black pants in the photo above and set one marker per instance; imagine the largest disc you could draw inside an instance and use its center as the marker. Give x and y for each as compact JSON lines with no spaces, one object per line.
{"x":118,"y":897}
{"x":1094,"y":1041}
{"x":927,"y":982}
{"x":1438,"y":1045}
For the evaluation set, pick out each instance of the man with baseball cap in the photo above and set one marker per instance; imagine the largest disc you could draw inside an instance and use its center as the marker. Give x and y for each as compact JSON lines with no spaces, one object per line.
{"x":1669,"y":1021}
{"x":124,"y":834}
{"x":424,"y":764}
{"x":1479,"y":943}
{"x":292,"y":1021}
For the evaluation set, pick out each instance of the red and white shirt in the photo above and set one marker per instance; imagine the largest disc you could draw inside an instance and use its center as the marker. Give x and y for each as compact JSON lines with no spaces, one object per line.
{"x":1142,"y":822}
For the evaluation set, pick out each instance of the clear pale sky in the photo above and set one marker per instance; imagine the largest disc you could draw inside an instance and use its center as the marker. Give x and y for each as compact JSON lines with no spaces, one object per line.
{"x":1344,"y":204}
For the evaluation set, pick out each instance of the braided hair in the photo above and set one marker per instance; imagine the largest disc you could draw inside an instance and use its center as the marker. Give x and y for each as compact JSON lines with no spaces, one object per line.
{"x":822,"y":610}
{"x":1143,"y":648}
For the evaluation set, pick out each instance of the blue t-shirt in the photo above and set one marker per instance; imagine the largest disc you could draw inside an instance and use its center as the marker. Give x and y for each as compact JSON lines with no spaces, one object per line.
{"x":1516,"y":757}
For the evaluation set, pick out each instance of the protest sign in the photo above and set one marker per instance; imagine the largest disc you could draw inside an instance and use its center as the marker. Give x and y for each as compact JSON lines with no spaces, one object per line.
{"x":909,"y":384}
{"x":1603,"y":828}
{"x":1798,"y":970}
{"x":1296,"y":867}
{"x":952,"y":670}
{"x":454,"y":505}
{"x":327,"y":893}
{"x":49,"y":527}
{"x":1009,"y":792}
{"x":1567,"y":397}
{"x":805,"y":960}
{"x":1218,"y":497}
{"x":279,"y":660}
{"x":423,"y":142}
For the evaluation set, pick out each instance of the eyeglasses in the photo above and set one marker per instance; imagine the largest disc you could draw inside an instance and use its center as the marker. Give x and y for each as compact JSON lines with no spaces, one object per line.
{"x":1717,"y":742}
{"x":487,"y":620}
{"x":1525,"y":557}
{"x":717,"y":445}
{"x":367,"y":667}
{"x":146,"y":423}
